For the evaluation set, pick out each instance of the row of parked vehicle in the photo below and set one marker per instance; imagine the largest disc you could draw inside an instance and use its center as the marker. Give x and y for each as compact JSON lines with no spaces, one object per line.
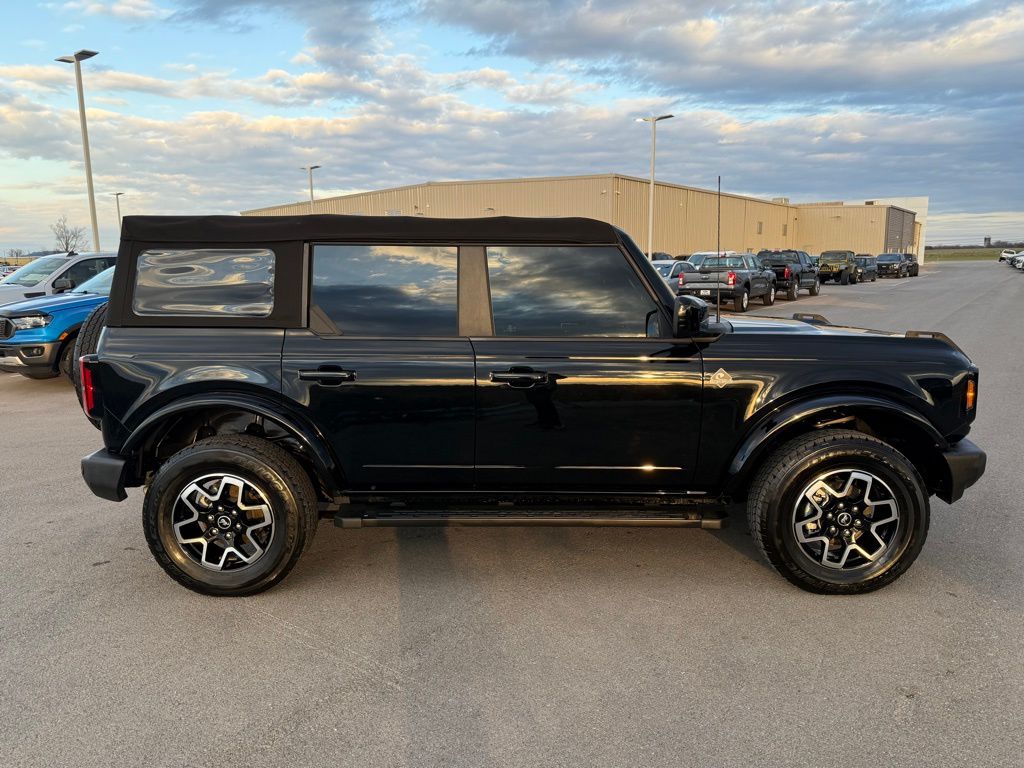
{"x":1013,"y":258}
{"x":729,"y":276}
{"x":43,"y":308}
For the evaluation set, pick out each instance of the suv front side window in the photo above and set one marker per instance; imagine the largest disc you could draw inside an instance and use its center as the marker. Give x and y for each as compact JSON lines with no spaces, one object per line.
{"x":387,"y":290}
{"x":553,"y":291}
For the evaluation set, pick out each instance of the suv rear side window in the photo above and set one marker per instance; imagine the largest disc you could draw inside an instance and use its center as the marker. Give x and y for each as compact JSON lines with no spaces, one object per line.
{"x":205,"y":282}
{"x":388,"y":290}
{"x":566,"y":291}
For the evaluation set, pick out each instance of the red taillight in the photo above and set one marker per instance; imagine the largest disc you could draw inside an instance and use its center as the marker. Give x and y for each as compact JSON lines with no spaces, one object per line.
{"x":786,"y":274}
{"x":88,"y":389}
{"x":682,"y":278}
{"x":730,"y":279}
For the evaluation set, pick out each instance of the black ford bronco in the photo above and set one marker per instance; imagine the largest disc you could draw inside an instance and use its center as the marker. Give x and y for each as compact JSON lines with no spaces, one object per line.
{"x":258,"y":374}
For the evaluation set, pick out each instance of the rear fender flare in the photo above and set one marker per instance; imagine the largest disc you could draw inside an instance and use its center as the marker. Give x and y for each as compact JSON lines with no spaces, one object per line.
{"x":312,"y":440}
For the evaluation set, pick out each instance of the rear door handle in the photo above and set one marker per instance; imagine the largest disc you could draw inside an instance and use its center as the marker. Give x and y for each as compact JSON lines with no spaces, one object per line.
{"x":328,"y":375}
{"x":520,"y":379}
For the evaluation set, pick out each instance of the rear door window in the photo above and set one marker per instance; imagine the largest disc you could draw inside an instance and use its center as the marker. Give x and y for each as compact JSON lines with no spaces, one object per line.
{"x":205,"y":282}
{"x":387,"y":290}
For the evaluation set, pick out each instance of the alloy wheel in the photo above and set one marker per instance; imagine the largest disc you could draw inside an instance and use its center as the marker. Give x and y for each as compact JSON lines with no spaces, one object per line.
{"x":846,"y":519}
{"x":223,"y":522}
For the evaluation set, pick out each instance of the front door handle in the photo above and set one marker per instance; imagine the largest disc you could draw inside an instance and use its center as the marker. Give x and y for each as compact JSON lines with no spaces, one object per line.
{"x":328,"y":376}
{"x":520,"y":378}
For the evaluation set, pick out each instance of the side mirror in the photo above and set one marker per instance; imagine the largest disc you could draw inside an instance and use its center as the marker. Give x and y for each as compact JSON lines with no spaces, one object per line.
{"x":688,"y":316}
{"x":62,"y":284}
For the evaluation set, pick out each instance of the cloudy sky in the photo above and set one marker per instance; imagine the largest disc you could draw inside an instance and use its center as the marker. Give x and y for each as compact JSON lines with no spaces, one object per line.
{"x":212,"y":106}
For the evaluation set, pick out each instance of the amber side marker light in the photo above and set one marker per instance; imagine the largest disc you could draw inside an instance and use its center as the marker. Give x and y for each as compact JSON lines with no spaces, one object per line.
{"x":971,"y":394}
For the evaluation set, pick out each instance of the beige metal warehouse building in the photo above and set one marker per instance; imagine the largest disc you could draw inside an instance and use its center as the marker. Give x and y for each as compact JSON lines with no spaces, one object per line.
{"x":685,"y":217}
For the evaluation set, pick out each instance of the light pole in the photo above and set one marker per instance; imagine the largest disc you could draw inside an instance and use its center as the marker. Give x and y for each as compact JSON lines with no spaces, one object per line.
{"x":117,"y":199}
{"x":77,"y":59}
{"x":310,"y":168}
{"x":653,"y":120}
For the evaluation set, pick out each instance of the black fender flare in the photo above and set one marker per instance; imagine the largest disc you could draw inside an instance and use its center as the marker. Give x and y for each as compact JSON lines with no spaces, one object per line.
{"x":761,"y":437}
{"x":309,"y":436}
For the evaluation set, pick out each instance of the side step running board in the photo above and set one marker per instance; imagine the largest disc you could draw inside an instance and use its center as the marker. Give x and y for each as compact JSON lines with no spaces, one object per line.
{"x":706,"y":520}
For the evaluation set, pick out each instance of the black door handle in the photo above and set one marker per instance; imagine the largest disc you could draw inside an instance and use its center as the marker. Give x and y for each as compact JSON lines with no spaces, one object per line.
{"x":328,"y":376}
{"x":521,"y":378}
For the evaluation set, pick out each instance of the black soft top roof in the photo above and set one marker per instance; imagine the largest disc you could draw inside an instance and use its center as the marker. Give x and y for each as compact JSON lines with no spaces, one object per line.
{"x":254,"y":229}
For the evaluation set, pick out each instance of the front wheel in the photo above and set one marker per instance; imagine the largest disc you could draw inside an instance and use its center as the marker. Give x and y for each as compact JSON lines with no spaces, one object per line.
{"x":229,"y":515}
{"x":769,"y":296}
{"x":66,"y":364}
{"x":792,"y":291}
{"x":815,"y":288}
{"x":838,"y":512}
{"x":844,"y":278}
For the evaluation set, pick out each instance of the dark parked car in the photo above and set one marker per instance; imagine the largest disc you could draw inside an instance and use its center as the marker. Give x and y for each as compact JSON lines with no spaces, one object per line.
{"x":915,"y":266}
{"x":738,"y":279}
{"x":794,"y":270}
{"x":257,"y":374}
{"x":865,"y":268}
{"x":836,"y":265}
{"x":893,"y":265}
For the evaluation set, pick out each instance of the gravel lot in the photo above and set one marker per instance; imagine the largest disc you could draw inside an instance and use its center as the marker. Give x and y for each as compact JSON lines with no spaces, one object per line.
{"x":522,"y":647}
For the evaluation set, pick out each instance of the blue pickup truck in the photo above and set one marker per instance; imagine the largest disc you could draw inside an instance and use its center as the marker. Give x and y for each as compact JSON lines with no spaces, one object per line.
{"x":37,"y":337}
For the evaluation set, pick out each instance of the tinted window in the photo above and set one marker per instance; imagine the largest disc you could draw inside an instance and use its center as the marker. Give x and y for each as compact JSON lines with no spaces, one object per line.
{"x":888,"y":258}
{"x":731,"y":262}
{"x":388,"y":290}
{"x":542,"y":291}
{"x":86,"y":270}
{"x":205,"y":282}
{"x":780,"y":257}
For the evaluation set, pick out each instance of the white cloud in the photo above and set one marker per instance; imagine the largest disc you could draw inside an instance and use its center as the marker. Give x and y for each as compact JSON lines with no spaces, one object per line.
{"x":126,"y":10}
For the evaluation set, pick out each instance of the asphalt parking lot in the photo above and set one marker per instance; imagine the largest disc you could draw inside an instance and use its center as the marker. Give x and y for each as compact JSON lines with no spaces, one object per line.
{"x":523,"y":647}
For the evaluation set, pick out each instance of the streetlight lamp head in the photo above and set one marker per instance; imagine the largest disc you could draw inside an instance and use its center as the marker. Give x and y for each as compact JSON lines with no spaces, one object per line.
{"x":81,"y":55}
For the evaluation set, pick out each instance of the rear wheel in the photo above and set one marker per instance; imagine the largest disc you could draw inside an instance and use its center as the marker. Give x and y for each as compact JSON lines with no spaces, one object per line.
{"x":838,"y":512}
{"x":742,"y":301}
{"x":769,"y":296}
{"x":229,"y":515}
{"x":815,"y":288}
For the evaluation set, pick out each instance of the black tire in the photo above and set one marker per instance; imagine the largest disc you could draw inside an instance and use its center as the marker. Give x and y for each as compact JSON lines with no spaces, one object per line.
{"x":288,"y":493}
{"x":785,"y":475}
{"x":741,"y":302}
{"x":815,"y":288}
{"x":793,"y":291}
{"x":769,"y":295}
{"x":873,"y":278}
{"x":844,"y":278}
{"x":86,"y":343}
{"x":66,"y":361}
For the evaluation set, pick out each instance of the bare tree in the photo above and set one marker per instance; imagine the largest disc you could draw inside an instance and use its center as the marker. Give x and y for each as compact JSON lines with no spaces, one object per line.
{"x":68,"y":238}
{"x":15,"y":253}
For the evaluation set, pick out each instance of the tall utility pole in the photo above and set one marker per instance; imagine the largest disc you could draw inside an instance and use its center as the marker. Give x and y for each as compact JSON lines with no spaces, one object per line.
{"x":310,"y":168}
{"x":77,"y":59}
{"x":117,"y":199}
{"x":653,"y":120}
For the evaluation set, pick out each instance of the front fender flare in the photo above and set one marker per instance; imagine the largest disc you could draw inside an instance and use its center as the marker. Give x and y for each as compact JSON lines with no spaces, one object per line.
{"x":762,"y":436}
{"x":312,"y":440}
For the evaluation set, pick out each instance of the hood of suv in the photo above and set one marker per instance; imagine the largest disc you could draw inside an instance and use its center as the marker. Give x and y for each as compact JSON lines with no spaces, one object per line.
{"x":783,"y":326}
{"x":51,"y":304}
